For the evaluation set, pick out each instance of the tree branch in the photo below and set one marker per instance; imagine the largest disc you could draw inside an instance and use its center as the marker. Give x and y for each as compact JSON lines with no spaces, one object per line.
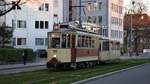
{"x":13,"y":5}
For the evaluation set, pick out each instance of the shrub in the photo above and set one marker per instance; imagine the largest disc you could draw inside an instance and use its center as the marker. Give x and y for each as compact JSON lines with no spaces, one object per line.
{"x":12,"y":55}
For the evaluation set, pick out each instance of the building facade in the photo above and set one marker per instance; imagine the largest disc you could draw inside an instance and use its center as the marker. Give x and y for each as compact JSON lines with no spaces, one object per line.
{"x":35,"y":19}
{"x":31,"y":24}
{"x":106,"y":13}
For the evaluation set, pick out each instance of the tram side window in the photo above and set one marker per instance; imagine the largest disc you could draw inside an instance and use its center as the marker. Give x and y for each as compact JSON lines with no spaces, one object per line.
{"x":118,"y":46}
{"x":93,"y":43}
{"x":68,"y":41}
{"x":63,"y":41}
{"x":90,"y":42}
{"x":86,"y":41}
{"x":55,"y":43}
{"x":83,"y":41}
{"x":79,"y":41}
{"x":105,"y":45}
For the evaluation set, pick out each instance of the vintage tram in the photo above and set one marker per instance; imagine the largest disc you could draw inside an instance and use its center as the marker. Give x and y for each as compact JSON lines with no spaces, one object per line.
{"x":70,"y":46}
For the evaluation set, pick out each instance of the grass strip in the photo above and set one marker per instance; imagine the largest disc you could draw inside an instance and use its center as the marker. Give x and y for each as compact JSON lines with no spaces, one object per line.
{"x":66,"y":76}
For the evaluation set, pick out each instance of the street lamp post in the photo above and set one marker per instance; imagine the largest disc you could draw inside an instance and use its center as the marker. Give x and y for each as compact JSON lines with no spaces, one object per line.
{"x":137,"y":36}
{"x":130,"y":37}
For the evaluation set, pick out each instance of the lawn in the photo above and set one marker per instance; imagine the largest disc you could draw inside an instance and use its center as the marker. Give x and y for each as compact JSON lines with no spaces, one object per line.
{"x":65,"y":76}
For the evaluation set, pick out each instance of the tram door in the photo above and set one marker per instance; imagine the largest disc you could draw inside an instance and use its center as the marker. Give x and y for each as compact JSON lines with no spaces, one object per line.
{"x":99,"y":49}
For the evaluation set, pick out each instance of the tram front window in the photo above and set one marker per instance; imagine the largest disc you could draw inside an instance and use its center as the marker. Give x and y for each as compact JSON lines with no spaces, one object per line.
{"x":55,"y":42}
{"x":62,"y":41}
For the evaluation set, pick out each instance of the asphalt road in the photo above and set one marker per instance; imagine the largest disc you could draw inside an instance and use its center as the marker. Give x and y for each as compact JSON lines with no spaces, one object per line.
{"x":139,"y":75}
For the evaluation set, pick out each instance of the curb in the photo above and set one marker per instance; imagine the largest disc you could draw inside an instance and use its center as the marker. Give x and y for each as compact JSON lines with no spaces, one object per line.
{"x":108,"y":74}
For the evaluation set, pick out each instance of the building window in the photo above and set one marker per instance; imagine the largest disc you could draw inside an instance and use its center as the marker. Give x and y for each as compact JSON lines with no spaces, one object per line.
{"x":94,"y":19}
{"x":21,"y":41}
{"x":39,"y":41}
{"x":14,"y":41}
{"x":41,"y":24}
{"x":116,"y":21}
{"x":100,"y":5}
{"x":89,"y":19}
{"x":13,"y":23}
{"x":37,"y":24}
{"x":89,"y":7}
{"x":116,"y":8}
{"x":46,"y":24}
{"x":100,"y":19}
{"x":105,"y":32}
{"x":21,"y":24}
{"x":46,"y":41}
{"x":41,"y":8}
{"x":46,"y":6}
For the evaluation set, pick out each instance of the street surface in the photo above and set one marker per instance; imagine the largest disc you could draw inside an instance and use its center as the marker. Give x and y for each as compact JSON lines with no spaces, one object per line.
{"x":139,"y":75}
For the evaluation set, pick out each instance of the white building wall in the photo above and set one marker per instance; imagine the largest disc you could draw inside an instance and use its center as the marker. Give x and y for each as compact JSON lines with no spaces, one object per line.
{"x":115,"y":27}
{"x":30,"y":13}
{"x":107,"y":13}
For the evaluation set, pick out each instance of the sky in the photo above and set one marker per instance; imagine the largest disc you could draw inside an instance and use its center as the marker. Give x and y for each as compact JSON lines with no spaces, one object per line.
{"x":147,"y":2}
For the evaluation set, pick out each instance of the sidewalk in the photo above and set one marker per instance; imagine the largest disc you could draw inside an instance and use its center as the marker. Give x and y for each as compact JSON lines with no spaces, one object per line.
{"x":38,"y":62}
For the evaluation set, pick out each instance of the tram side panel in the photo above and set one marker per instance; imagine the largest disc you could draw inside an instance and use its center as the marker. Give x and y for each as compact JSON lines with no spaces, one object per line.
{"x":83,"y":55}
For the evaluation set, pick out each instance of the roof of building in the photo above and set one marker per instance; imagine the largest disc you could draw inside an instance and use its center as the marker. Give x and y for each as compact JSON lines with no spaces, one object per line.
{"x":138,"y":21}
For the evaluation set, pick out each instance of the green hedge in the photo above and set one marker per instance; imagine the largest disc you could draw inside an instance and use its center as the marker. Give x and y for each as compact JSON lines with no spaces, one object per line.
{"x":12,"y":55}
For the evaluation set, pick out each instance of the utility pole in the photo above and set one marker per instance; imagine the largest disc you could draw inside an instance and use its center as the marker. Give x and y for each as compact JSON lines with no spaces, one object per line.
{"x":80,"y":17}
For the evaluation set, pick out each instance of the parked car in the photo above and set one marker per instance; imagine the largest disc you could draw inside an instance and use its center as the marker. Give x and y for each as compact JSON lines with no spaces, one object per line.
{"x":41,"y":53}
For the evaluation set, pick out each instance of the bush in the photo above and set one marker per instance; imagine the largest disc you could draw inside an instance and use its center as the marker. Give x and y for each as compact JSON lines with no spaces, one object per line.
{"x":12,"y":55}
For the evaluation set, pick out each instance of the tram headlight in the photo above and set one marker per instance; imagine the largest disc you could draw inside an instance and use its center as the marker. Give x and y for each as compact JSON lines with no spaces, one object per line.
{"x":54,"y":56}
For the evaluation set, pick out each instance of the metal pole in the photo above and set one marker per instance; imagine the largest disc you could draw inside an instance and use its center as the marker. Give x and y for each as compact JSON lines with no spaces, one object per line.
{"x":130,"y":38}
{"x":80,"y":20}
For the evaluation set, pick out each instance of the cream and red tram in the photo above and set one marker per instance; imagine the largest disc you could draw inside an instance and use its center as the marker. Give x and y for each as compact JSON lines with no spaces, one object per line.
{"x":70,"y":46}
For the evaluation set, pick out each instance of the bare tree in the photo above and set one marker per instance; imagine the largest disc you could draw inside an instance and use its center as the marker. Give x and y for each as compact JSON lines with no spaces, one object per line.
{"x":136,"y":7}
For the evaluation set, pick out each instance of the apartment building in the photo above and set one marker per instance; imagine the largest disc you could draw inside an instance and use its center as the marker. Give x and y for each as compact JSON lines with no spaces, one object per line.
{"x":106,"y":13}
{"x":31,"y":24}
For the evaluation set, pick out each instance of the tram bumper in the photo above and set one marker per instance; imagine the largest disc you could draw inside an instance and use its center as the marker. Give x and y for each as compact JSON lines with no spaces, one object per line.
{"x":53,"y":63}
